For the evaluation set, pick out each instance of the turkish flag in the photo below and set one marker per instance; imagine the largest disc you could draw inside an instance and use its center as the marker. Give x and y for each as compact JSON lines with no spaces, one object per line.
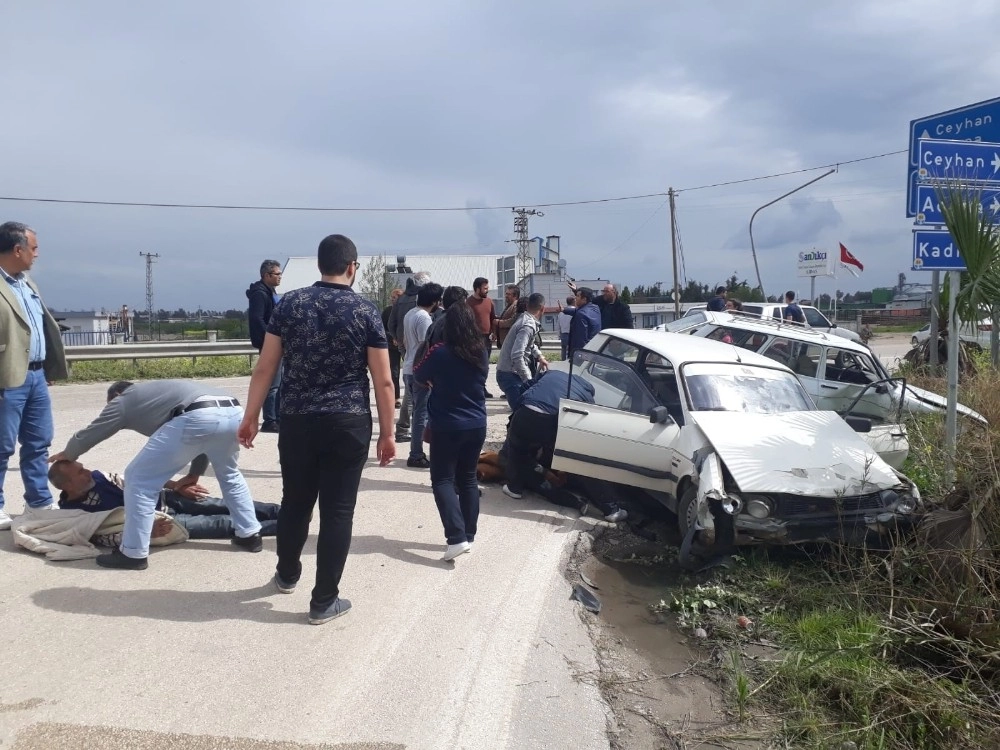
{"x":849,"y":260}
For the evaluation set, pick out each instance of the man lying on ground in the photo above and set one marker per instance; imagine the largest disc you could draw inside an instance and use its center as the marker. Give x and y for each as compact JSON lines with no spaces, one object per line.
{"x":202,"y":516}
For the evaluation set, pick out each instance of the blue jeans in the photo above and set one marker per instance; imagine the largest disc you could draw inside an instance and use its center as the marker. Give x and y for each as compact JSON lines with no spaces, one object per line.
{"x":418,"y":395}
{"x":26,"y":417}
{"x":454,"y":458}
{"x":210,"y":519}
{"x":513,"y":388}
{"x":210,"y":431}
{"x":272,"y":402}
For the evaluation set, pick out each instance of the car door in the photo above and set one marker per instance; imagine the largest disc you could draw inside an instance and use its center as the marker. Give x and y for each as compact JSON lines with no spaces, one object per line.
{"x":842,"y":377}
{"x":614,"y":438}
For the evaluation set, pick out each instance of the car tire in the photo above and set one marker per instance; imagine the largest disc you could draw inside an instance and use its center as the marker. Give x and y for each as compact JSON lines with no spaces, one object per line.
{"x":724,"y":535}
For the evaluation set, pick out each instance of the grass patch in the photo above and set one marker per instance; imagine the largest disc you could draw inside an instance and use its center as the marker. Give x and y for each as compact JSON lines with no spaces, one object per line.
{"x":166,"y":367}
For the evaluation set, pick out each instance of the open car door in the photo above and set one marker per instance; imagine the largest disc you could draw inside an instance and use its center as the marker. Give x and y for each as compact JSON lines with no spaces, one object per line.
{"x":625,"y":436}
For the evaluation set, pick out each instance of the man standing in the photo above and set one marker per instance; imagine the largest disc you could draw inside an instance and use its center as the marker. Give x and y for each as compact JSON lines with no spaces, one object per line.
{"x":263,"y":297}
{"x":614,"y":312}
{"x":406,"y":302}
{"x":718,"y":302}
{"x":565,"y":321}
{"x":31,"y":355}
{"x":185,"y":421}
{"x":415,"y":326}
{"x":482,"y":308}
{"x":792,"y":311}
{"x":586,"y":319}
{"x":511,"y":296}
{"x":330,"y":340}
{"x":395,"y":357}
{"x":519,"y":353}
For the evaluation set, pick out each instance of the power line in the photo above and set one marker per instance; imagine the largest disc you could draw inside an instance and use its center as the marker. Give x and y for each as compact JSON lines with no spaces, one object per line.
{"x":835,"y":165}
{"x":625,"y":241}
{"x":427,"y":209}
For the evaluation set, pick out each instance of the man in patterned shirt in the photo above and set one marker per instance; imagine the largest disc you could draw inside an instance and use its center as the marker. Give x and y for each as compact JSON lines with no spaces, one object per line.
{"x":328,"y":339}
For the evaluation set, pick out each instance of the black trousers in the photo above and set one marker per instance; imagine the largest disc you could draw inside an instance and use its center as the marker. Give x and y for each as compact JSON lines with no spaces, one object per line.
{"x":529,"y":432}
{"x":321,"y":456}
{"x":395,"y":361}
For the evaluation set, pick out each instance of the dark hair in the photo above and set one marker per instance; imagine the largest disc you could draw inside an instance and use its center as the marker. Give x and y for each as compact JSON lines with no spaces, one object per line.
{"x":462,"y":334}
{"x":267,"y":266}
{"x":790,"y":295}
{"x":586,"y":292}
{"x":12,"y":234}
{"x":536,"y":302}
{"x":118,"y":388}
{"x":452,"y":295}
{"x":429,"y":293}
{"x":515,"y":290}
{"x":335,"y":254}
{"x":737,"y":305}
{"x":479,"y":282}
{"x":522,"y":305}
{"x":571,"y":301}
{"x":720,"y":290}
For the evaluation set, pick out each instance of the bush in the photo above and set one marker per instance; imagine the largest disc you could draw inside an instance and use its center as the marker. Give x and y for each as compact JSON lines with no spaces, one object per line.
{"x":154,"y":369}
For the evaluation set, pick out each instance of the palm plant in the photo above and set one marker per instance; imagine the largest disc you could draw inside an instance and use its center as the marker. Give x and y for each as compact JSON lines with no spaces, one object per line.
{"x":975,"y":234}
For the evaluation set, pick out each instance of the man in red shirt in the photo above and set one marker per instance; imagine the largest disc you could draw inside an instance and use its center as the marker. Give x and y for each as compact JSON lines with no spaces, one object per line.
{"x":484,"y":312}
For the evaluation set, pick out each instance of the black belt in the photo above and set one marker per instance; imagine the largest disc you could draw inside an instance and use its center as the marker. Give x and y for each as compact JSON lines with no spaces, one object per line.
{"x":36,"y":365}
{"x":222,"y":402}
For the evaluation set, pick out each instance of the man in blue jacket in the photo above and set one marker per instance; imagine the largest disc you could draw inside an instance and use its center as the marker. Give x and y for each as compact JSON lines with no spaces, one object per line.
{"x":263,"y":296}
{"x":586,"y":319}
{"x":533,"y":430}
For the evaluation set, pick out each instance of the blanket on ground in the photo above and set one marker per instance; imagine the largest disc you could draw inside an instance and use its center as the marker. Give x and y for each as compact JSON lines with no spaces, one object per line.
{"x":67,"y":534}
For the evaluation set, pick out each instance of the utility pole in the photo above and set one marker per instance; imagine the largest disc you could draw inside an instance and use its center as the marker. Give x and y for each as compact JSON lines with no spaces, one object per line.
{"x":673,"y":247}
{"x":149,"y":288}
{"x":525,"y":265}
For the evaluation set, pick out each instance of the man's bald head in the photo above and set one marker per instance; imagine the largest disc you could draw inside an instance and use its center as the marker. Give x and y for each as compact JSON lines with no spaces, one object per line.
{"x":609,"y":293}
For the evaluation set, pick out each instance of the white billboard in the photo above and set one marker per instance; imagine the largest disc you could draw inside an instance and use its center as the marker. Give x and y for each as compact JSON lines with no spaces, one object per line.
{"x":815,"y":263}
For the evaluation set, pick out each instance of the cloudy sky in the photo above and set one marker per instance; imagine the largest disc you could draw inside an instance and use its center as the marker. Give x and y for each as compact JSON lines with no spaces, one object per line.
{"x":455,"y":103}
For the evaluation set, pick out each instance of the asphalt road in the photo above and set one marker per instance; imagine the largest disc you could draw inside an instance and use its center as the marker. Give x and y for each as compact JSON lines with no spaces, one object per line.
{"x":200,"y":651}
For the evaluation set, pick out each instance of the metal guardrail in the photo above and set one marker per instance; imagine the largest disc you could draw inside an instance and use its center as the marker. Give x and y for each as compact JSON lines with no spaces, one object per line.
{"x":159,"y":349}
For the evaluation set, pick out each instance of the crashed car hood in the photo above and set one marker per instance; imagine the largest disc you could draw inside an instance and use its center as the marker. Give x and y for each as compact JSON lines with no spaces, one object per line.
{"x":940,"y":402}
{"x":813,"y":453}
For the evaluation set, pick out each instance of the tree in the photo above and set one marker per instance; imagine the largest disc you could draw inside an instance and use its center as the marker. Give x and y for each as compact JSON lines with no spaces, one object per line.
{"x":626,"y":295}
{"x":374,"y":284}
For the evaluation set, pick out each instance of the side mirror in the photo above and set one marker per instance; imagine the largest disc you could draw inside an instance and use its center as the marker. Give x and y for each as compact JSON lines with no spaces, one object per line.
{"x":859,"y":424}
{"x":659,"y":415}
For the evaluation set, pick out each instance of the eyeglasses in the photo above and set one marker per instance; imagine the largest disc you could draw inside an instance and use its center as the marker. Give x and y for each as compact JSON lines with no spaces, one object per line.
{"x":275,"y":273}
{"x":357,"y":264}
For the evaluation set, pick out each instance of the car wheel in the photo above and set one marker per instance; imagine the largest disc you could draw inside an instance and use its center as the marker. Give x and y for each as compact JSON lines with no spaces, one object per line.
{"x":721,"y":538}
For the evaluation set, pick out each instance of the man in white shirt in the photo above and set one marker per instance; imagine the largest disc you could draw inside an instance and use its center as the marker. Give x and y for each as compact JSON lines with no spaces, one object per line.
{"x":415,"y":325}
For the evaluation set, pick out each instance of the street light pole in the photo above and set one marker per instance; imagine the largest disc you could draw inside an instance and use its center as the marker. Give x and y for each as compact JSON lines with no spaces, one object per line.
{"x":760,"y":284}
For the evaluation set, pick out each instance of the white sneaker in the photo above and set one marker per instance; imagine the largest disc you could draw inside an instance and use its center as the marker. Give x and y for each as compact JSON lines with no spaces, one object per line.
{"x":619,"y":515}
{"x":454,"y":550}
{"x":33,"y":509}
{"x":510,"y":493}
{"x":4,"y":520}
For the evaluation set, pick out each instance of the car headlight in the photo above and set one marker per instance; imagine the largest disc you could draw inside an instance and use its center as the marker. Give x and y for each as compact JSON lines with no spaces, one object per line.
{"x":901,"y":503}
{"x":759,"y":506}
{"x":732,"y":504}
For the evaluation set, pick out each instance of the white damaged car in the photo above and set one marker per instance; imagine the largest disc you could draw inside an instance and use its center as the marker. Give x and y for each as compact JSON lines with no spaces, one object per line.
{"x":728,"y":440}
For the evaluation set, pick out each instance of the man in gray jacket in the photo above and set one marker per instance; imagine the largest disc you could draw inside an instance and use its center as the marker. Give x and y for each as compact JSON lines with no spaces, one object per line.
{"x":185,"y":421}
{"x":519,"y":352}
{"x":406,"y":302}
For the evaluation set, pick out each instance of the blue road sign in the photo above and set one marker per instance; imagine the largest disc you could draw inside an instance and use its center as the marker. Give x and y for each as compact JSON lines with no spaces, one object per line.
{"x":935,"y":250}
{"x":929,"y":208}
{"x":968,"y":161}
{"x":975,"y":122}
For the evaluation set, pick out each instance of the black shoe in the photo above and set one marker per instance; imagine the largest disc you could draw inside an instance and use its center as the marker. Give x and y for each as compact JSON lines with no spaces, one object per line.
{"x":269,"y":426}
{"x":487,"y":394}
{"x":402,"y":437}
{"x":418,"y":463}
{"x":116,"y":559}
{"x":251,"y":543}
{"x":282,"y":585}
{"x":338,"y":608}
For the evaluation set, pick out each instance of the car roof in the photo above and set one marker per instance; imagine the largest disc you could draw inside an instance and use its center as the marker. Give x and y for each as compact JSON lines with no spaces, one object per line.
{"x":680,"y":348}
{"x":775,"y":327}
